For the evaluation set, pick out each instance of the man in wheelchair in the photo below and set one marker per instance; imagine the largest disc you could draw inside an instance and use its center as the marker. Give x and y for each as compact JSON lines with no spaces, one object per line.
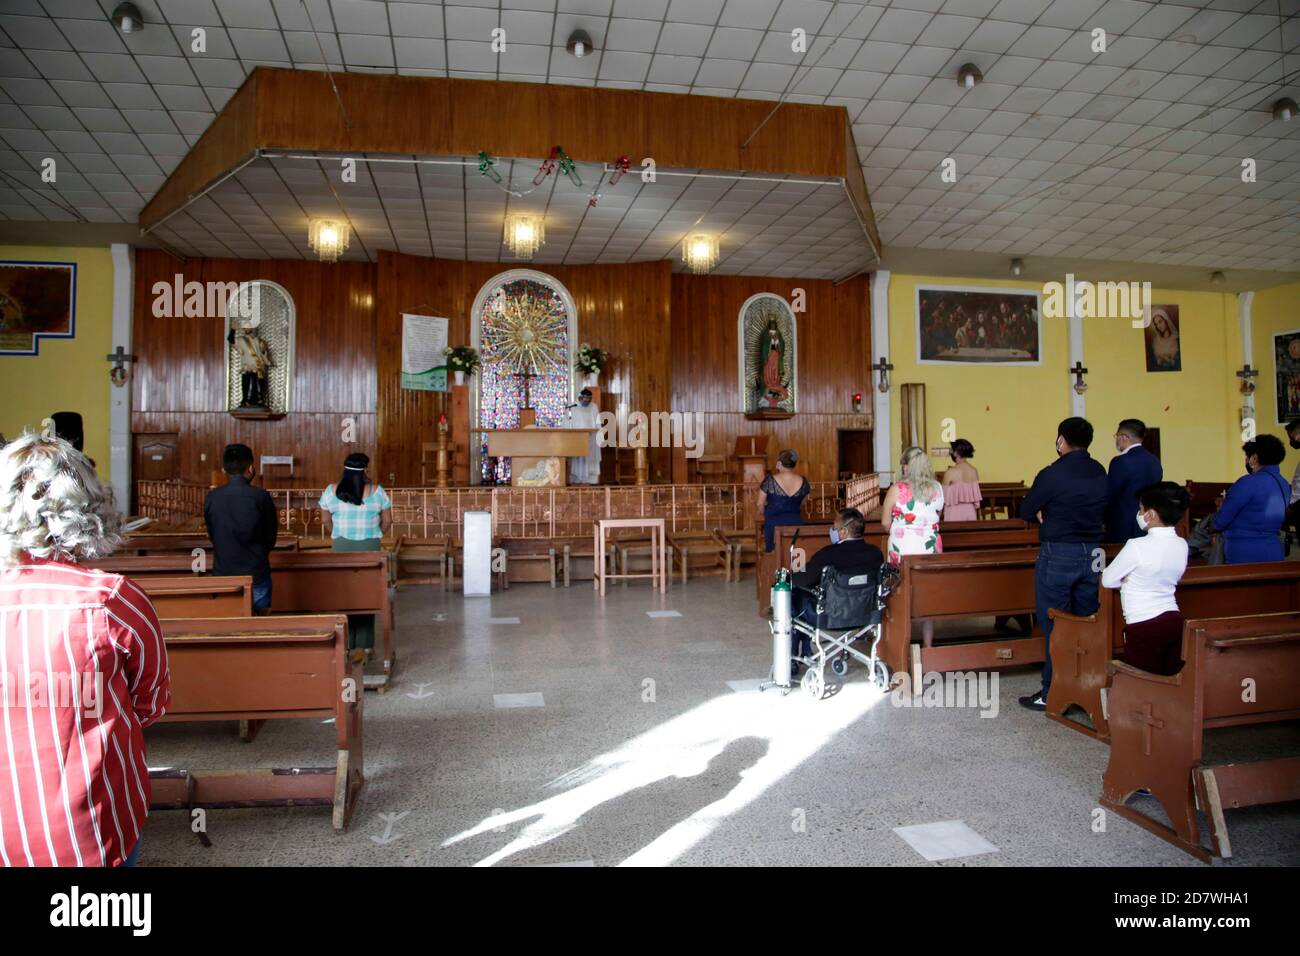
{"x":850,"y":556}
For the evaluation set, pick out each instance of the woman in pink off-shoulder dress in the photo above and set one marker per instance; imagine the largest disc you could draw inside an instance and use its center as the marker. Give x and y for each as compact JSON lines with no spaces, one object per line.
{"x":961,"y":484}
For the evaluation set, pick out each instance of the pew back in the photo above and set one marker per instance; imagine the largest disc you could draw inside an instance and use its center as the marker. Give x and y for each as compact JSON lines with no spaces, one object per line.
{"x":254,"y":669}
{"x":199,"y":596}
{"x":956,"y":535}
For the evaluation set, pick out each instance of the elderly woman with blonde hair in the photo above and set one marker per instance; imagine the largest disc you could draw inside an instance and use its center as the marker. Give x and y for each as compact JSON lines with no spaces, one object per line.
{"x":912,"y":507}
{"x":94,"y":641}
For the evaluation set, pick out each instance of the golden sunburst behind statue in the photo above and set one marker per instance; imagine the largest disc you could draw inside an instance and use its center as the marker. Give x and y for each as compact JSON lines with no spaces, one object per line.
{"x":528,"y":336}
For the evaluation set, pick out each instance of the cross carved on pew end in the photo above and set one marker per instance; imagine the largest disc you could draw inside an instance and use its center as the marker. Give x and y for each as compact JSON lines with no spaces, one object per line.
{"x":1079,"y":651}
{"x":1149,"y":721}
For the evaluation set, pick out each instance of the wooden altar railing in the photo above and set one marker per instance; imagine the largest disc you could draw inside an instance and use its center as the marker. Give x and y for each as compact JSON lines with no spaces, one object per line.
{"x":170,"y":502}
{"x":533,"y":512}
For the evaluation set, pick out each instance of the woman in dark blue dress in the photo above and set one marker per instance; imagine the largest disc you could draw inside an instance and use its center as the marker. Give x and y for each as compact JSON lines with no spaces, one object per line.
{"x":1253,"y":510}
{"x":781,"y":495}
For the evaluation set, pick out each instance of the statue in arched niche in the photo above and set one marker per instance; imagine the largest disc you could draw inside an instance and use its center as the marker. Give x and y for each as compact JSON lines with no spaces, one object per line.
{"x":768,"y":360}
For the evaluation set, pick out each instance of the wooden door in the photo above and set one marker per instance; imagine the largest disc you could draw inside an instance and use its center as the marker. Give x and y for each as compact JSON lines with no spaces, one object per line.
{"x":856,"y":452}
{"x":156,"y":458}
{"x":1151,"y":442}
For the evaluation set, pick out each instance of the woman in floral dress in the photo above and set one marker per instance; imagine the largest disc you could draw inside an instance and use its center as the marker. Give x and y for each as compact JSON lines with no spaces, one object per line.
{"x":911,"y":509}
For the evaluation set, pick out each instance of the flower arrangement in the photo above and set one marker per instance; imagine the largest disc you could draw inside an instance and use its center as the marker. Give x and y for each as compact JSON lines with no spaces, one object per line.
{"x":591,"y":361}
{"x":462,"y":358}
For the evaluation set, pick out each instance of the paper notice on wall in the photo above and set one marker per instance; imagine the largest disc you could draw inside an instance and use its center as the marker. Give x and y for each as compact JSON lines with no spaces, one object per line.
{"x":424,"y":344}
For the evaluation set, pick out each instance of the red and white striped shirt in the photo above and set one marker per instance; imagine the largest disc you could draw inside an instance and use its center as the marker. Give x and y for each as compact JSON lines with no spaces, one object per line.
{"x":84,"y":671}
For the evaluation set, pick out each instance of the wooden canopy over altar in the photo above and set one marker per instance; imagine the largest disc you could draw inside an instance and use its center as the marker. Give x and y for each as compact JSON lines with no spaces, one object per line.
{"x":672,"y":336}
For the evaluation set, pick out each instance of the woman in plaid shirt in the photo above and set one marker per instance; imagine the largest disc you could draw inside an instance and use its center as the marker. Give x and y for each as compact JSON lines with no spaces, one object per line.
{"x":357,"y":514}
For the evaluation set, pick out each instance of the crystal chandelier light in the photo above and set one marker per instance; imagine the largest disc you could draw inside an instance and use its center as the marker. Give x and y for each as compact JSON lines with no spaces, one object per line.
{"x":700,"y":252}
{"x":328,"y":238}
{"x":524,"y":235}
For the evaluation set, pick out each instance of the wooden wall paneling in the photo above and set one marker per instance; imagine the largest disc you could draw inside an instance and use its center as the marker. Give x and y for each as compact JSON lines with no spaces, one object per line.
{"x":834,"y":356}
{"x":672,"y":339}
{"x":447,"y":116}
{"x":179,"y":378}
{"x":621,"y":308}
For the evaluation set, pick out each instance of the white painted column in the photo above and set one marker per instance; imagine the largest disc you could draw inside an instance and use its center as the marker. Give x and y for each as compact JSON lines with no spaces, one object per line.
{"x":1244,"y":302}
{"x":1078,"y":403}
{"x":119,"y":399}
{"x":881,"y":437}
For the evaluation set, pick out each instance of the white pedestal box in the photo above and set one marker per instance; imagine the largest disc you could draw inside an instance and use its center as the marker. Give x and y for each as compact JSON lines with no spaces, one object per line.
{"x":477,"y":572}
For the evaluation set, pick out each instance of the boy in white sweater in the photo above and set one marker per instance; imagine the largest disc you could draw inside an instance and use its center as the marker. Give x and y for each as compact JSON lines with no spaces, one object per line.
{"x":1147,"y":572}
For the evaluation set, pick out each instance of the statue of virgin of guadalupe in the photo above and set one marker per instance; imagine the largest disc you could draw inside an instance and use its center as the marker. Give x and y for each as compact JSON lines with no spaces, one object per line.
{"x":772,"y":366}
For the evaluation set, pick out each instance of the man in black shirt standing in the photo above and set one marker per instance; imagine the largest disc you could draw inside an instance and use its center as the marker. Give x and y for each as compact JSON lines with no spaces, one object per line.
{"x":1068,"y":499}
{"x":242,"y":524}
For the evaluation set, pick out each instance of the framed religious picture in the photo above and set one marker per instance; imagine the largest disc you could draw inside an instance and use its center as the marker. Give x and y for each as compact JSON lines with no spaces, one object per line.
{"x":1163,"y":347}
{"x":970,"y":326}
{"x":1286,"y":371}
{"x":768,"y":365}
{"x":38,"y":300}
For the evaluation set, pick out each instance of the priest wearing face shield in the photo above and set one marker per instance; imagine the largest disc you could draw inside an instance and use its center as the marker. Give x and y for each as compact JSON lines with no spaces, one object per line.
{"x":585,"y":471}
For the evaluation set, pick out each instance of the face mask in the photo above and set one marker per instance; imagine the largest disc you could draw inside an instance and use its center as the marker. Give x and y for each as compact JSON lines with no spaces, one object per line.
{"x":1294,"y":443}
{"x":835,"y":535}
{"x":1142,"y":521}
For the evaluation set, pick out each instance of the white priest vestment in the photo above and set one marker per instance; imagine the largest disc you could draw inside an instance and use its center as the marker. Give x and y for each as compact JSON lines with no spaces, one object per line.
{"x":585,"y":471}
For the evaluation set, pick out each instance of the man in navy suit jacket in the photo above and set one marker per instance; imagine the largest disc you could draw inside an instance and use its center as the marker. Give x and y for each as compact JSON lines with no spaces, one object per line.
{"x":1132,"y":469}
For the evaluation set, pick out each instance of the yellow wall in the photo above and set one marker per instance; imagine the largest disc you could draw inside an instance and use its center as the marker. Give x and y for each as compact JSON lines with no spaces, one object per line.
{"x":68,"y":374}
{"x":1274,"y":310}
{"x":1196,"y":409}
{"x":1010,"y":413}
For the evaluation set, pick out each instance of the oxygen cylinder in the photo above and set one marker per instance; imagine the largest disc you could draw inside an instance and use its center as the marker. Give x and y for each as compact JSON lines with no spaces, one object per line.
{"x":780,"y":595}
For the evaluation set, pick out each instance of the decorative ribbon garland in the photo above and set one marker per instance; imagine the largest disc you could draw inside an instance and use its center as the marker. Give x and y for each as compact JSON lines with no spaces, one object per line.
{"x":558,"y":157}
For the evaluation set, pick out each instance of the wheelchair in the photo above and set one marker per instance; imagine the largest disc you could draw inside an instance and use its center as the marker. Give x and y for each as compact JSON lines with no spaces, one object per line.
{"x":849,"y":609}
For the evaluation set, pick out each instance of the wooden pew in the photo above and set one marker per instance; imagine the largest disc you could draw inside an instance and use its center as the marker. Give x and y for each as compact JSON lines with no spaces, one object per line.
{"x":957,"y":536}
{"x":1204,"y":495}
{"x":742,"y":551}
{"x":576,"y":556}
{"x":200,"y":596}
{"x":1082,"y":646}
{"x":1158,"y":726}
{"x":700,"y":552}
{"x":265,"y":668}
{"x":169,"y":542}
{"x":302,"y":582}
{"x":529,"y":559}
{"x":422,"y":560}
{"x":964,"y":584}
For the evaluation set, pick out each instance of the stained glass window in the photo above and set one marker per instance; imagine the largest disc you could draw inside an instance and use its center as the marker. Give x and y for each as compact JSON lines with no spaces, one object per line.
{"x":524,"y":326}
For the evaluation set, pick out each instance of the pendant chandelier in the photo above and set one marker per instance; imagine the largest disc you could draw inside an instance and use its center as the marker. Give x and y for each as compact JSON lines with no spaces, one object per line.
{"x":524,"y":235}
{"x":700,"y":252}
{"x":328,"y":238}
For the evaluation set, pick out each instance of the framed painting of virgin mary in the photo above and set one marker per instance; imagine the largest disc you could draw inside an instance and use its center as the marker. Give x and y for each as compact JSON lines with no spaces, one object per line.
{"x":768,"y":345}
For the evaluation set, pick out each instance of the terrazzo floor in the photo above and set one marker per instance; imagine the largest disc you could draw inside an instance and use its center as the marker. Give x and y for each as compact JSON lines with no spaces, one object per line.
{"x":590,"y":733}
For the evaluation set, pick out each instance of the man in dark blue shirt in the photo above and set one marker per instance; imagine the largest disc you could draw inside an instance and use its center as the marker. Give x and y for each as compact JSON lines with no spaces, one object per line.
{"x":1068,"y":499}
{"x":1133,"y":468}
{"x":242,"y":524}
